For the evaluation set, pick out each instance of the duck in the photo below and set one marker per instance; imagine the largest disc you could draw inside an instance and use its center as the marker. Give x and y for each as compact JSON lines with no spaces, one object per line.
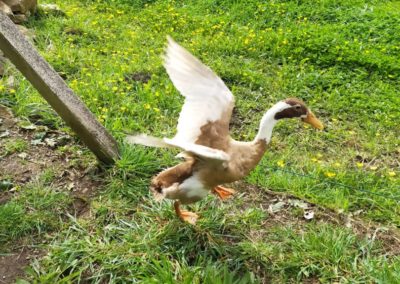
{"x":210,"y":156}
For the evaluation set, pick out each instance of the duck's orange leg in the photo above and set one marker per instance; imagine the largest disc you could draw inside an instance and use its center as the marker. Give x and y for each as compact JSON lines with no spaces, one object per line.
{"x":186,"y":216}
{"x":223,"y":192}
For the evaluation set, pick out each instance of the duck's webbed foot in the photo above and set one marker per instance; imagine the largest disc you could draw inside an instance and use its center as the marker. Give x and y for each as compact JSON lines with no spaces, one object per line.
{"x":186,"y":216}
{"x":223,"y":192}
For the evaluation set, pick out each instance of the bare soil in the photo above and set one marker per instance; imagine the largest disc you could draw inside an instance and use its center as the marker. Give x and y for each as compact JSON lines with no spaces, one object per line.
{"x":287,"y":210}
{"x":44,"y":150}
{"x":12,"y":264}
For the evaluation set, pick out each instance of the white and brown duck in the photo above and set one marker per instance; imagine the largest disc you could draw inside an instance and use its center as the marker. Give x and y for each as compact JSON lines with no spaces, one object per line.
{"x":211,"y":156}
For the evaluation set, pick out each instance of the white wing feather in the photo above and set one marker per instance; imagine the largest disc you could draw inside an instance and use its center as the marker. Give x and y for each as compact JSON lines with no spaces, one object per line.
{"x":198,"y":150}
{"x":206,"y":96}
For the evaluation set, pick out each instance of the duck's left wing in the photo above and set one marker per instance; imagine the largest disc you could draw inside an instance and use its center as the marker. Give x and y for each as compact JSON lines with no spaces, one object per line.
{"x":207,"y":110}
{"x":199,"y":151}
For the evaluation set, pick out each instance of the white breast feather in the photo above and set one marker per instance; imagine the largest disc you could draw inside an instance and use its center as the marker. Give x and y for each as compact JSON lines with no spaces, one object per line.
{"x":193,"y":187}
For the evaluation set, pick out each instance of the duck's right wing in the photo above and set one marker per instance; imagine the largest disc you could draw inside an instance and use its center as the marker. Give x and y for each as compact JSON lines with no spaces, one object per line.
{"x":206,"y":113}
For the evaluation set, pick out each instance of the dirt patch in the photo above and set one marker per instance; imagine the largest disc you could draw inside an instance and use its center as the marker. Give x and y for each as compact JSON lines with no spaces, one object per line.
{"x":29,"y":153}
{"x":43,"y":152}
{"x":287,"y":210}
{"x":12,"y":264}
{"x":142,"y":77}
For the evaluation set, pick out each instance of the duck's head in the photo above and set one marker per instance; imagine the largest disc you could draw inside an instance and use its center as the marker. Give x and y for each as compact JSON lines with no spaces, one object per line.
{"x":292,"y":107}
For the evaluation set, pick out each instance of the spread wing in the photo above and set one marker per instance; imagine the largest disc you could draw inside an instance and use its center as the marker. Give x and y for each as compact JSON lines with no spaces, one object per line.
{"x":207,"y":110}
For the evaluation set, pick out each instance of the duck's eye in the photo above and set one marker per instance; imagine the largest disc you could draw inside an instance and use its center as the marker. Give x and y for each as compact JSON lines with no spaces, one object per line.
{"x":297,"y":107}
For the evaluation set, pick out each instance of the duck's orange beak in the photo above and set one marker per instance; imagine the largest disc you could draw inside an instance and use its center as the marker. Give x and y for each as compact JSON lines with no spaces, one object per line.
{"x":311,"y":119}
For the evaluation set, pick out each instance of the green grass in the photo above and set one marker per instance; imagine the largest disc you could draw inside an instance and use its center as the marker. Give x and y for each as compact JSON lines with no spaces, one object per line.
{"x":14,"y":146}
{"x":341,"y":57}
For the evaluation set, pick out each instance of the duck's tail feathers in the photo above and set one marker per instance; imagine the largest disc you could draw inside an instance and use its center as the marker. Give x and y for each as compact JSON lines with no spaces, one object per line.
{"x":145,"y":140}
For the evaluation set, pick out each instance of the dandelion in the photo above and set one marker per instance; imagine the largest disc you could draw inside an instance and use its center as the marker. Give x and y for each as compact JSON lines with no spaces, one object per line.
{"x":330,"y":174}
{"x":360,"y":165}
{"x":147,"y":106}
{"x":12,"y":91}
{"x":392,"y":174}
{"x":280,"y":163}
{"x":156,"y":109}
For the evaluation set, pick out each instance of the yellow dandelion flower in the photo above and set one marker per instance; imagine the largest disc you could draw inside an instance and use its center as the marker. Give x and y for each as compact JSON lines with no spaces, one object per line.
{"x":330,"y":174}
{"x":156,"y":109}
{"x":392,"y":174}
{"x":12,"y":91}
{"x":280,"y":163}
{"x":146,"y":106}
{"x":359,"y":165}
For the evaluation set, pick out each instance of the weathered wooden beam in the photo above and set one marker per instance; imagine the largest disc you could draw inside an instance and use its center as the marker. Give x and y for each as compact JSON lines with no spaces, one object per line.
{"x":53,"y":88}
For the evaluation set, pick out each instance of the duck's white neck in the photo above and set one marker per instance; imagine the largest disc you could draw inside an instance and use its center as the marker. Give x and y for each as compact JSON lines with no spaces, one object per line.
{"x":268,"y":122}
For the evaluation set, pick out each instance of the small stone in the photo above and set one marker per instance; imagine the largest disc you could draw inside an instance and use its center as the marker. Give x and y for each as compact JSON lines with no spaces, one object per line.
{"x":4,"y":134}
{"x":273,"y":208}
{"x":298,"y":203}
{"x":23,"y":155}
{"x":71,"y":186}
{"x":36,"y":142}
{"x":308,"y":215}
{"x":50,"y":142}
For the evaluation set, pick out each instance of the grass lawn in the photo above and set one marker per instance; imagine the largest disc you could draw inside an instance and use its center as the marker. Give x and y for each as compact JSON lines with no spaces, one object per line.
{"x":341,"y":57}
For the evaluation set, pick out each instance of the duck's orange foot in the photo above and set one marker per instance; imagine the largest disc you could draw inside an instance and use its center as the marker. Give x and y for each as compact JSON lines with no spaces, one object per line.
{"x":189,"y":217}
{"x":184,"y":215}
{"x":223,"y":192}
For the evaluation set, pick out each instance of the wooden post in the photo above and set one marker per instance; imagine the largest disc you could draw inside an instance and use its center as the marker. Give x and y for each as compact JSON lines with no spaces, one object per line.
{"x":53,"y":88}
